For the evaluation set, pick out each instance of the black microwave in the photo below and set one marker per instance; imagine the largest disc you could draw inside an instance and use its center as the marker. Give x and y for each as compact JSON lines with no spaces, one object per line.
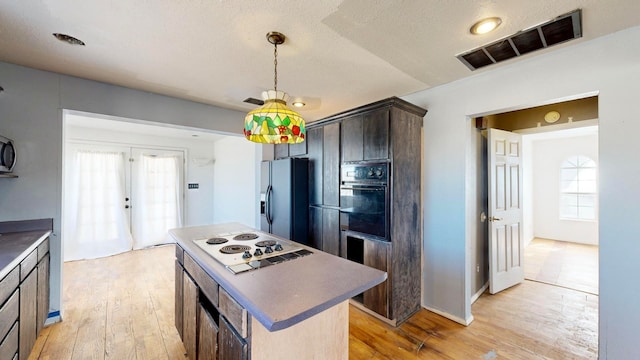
{"x":7,"y":155}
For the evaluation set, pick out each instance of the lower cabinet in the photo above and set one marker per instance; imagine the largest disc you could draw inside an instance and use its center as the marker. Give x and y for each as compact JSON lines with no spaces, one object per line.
{"x":190,"y":316}
{"x":24,"y":304}
{"x":28,"y":314}
{"x":325,"y":229}
{"x":375,"y":254}
{"x":210,"y":328}
{"x":232,"y":345}
{"x":208,"y":335}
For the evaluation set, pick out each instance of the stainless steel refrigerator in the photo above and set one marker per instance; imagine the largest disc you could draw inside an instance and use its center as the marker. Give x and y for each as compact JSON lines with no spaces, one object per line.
{"x":284,"y":198}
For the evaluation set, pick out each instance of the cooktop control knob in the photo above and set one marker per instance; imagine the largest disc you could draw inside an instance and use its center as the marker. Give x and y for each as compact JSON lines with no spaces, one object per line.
{"x":268,"y":250}
{"x":370,"y":173}
{"x":278,"y":247}
{"x":258,"y":252}
{"x":379,"y":172}
{"x":246,"y":255}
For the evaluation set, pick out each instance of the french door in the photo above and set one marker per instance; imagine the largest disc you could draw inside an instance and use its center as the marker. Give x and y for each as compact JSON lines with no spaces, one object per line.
{"x":120,"y":198}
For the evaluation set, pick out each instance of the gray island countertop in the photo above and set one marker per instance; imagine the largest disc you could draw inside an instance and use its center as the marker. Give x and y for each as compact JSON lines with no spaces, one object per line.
{"x":285,"y":294}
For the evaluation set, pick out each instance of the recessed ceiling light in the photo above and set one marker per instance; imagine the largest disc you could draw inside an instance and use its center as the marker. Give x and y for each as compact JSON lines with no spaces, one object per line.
{"x":485,"y":25}
{"x":68,"y":39}
{"x":298,"y":104}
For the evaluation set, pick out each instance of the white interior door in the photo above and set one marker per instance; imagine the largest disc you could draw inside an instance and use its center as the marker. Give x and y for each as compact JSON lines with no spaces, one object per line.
{"x":156,"y":195}
{"x":506,"y":244}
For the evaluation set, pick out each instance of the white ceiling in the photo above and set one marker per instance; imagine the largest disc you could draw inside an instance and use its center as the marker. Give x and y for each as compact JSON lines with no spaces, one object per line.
{"x":338,"y":54}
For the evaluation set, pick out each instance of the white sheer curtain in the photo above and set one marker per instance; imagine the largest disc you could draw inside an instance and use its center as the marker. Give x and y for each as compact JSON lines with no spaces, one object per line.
{"x":157,"y":199}
{"x":96,"y":221}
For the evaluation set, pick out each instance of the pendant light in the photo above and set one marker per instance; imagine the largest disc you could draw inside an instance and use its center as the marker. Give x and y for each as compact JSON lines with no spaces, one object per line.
{"x":274,"y":122}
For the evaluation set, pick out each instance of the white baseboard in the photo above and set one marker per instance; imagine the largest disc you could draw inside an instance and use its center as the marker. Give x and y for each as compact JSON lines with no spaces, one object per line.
{"x":457,"y":319}
{"x":477,"y":295}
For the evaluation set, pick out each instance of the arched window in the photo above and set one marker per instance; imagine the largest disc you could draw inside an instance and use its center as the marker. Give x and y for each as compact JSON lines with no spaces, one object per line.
{"x":578,"y":188}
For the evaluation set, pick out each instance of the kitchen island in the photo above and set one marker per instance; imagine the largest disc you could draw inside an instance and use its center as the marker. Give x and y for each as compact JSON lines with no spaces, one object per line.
{"x":294,"y":308}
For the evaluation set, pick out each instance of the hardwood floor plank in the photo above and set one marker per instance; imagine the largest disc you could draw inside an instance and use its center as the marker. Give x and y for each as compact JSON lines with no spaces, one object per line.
{"x":134,"y":320}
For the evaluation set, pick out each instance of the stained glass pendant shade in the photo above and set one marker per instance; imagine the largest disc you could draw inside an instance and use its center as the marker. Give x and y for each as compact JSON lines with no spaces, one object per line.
{"x":274,"y":122}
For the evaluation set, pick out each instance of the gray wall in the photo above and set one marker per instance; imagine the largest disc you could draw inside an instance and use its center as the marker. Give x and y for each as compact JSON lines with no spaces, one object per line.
{"x":31,"y":114}
{"x":607,"y":67}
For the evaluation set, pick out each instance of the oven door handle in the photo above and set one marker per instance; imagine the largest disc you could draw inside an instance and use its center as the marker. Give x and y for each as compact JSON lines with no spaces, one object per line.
{"x":364,"y":187}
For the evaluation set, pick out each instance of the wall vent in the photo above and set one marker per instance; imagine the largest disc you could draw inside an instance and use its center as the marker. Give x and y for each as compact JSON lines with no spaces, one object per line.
{"x":561,"y":29}
{"x":254,"y":101}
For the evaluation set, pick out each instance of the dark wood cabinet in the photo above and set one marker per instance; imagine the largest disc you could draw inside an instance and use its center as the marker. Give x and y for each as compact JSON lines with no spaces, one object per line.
{"x":207,"y":336}
{"x":24,"y":303}
{"x":331,"y":165}
{"x":351,"y":139}
{"x":365,"y":137}
{"x":43,"y":292}
{"x":314,"y":145}
{"x":376,"y":255}
{"x":28,"y":314}
{"x":390,"y":131}
{"x":179,"y":281}
{"x":324,"y":229}
{"x":203,"y":310}
{"x":315,"y":227}
{"x":280,"y":151}
{"x":299,"y":149}
{"x":376,"y":135}
{"x":231,"y":345}
{"x":190,"y":309}
{"x":331,"y":231}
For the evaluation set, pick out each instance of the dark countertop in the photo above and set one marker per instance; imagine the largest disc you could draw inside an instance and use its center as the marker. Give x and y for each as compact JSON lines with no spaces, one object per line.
{"x":15,"y":246}
{"x":285,"y":294}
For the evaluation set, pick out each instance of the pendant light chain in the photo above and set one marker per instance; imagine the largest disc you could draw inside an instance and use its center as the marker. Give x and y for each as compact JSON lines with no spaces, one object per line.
{"x":275,"y":67}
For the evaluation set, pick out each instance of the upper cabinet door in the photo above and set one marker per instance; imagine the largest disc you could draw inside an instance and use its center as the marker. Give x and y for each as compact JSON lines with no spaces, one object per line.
{"x":376,"y":135}
{"x":351,"y":139}
{"x":280,"y":151}
{"x":314,"y":142}
{"x":331,"y":165}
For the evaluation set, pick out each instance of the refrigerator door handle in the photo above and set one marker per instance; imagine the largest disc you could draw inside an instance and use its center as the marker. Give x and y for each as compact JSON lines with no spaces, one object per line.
{"x":268,"y":205}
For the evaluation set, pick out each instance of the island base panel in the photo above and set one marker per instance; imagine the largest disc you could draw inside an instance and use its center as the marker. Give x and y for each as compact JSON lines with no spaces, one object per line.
{"x":322,"y":336}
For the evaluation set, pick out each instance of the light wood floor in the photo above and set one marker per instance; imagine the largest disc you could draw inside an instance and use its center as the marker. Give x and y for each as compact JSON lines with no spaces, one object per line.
{"x":121,"y":307}
{"x":562,"y":263}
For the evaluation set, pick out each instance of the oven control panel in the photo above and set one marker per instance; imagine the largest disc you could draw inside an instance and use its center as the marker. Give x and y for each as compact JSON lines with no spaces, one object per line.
{"x":365,"y":172}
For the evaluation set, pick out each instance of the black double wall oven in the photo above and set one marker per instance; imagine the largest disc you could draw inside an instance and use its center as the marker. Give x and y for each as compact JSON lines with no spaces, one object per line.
{"x":364,"y":199}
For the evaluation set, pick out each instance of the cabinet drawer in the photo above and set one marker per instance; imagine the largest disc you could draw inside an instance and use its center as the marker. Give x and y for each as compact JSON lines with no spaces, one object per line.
{"x":9,"y":284}
{"x":28,"y":264}
{"x":206,"y":284}
{"x":9,"y":347}
{"x":9,"y":314}
{"x":43,"y":249}
{"x":234,"y":312}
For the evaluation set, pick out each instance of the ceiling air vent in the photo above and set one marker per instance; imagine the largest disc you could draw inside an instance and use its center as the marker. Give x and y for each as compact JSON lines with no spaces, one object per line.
{"x":254,"y":101}
{"x":563,"y":28}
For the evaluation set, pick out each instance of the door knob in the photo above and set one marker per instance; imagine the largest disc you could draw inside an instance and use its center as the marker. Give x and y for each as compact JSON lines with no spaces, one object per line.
{"x":493,"y":218}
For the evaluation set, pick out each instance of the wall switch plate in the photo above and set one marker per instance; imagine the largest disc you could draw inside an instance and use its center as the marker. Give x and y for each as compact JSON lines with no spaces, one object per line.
{"x":194,"y":186}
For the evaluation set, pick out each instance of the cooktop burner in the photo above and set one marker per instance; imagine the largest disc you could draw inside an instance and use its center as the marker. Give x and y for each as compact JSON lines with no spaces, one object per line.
{"x":265,"y":243}
{"x":216,"y":241}
{"x":234,"y":249}
{"x":243,"y":250}
{"x":245,"y":236}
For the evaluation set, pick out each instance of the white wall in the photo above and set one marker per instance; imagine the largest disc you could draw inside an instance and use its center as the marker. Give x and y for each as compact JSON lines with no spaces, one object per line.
{"x":608,"y":67}
{"x":548,"y":156}
{"x":236,"y":181}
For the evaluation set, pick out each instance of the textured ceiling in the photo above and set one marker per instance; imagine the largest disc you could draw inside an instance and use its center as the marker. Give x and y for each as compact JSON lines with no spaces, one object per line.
{"x":338,"y":55}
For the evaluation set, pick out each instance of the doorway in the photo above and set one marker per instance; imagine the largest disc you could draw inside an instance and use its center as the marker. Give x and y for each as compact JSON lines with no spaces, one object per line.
{"x":120,"y":198}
